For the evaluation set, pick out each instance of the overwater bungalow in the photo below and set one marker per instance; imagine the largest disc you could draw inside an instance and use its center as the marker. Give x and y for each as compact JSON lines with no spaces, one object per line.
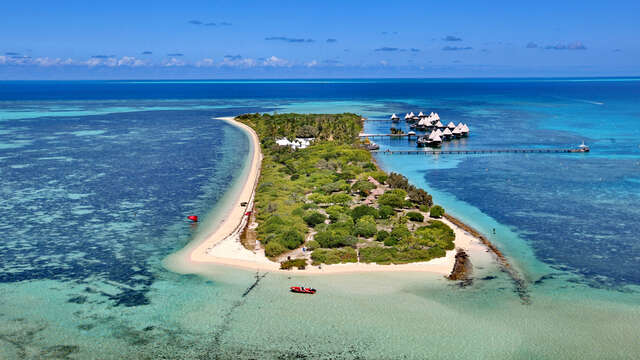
{"x":407,"y":117}
{"x":439,"y":125}
{"x":465,"y":130}
{"x":435,"y":141}
{"x":439,"y":132}
{"x":395,"y":118}
{"x":457,"y":132}
{"x":451,"y":125}
{"x":421,"y":115}
{"x":447,"y":134}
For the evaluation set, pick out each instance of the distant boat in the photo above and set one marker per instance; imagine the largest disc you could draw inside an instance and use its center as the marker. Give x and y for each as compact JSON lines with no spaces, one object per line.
{"x":303,"y":290}
{"x":583,"y":147}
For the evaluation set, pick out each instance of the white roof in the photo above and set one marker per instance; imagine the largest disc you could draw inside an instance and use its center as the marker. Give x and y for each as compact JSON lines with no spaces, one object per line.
{"x":283,"y":142}
{"x":436,"y":138}
{"x":411,"y":133}
{"x":436,"y":116}
{"x":432,"y":135}
{"x":411,"y":114}
{"x":439,"y":124}
{"x":422,"y":122}
{"x":407,"y":116}
{"x":465,"y":128}
{"x":447,"y":132}
{"x":438,"y":132}
{"x":421,"y":114}
{"x":451,"y":125}
{"x":459,"y":127}
{"x":460,"y":124}
{"x":456,"y":131}
{"x":394,"y":116}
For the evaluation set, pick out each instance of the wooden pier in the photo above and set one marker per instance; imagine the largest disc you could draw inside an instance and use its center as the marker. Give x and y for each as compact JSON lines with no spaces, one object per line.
{"x":386,"y":135}
{"x":479,"y":151}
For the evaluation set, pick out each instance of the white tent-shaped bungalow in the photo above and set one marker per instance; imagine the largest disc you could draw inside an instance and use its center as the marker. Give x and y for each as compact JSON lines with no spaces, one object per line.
{"x":394,"y":117}
{"x":451,"y":125}
{"x":457,"y":132}
{"x":447,"y":134}
{"x":421,"y":115}
{"x":439,"y":125}
{"x":407,"y":116}
{"x":439,"y":132}
{"x":465,"y":130}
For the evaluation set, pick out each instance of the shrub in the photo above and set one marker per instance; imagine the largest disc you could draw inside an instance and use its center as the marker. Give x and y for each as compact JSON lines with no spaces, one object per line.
{"x":385,"y":212}
{"x":393,"y":198}
{"x":312,"y":245}
{"x":377,"y":254}
{"x":398,"y":181}
{"x":295,"y":176}
{"x":363,"y":187}
{"x":334,"y":256}
{"x":335,"y":211}
{"x":319,"y":198}
{"x":424,"y":208}
{"x":365,"y":226}
{"x":339,"y":185}
{"x":380,"y":176}
{"x":436,"y":212}
{"x":420,"y":197}
{"x":398,"y":233}
{"x":363,"y":210}
{"x":314,"y":218}
{"x":415,"y":216}
{"x":298,"y":263}
{"x":382,"y":235}
{"x":274,"y":248}
{"x":340,"y":198}
{"x":291,"y":239}
{"x":333,"y":238}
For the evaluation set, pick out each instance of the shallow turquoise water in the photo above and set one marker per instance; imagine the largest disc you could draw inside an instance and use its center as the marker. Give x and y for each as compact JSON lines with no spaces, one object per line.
{"x":96,"y":183}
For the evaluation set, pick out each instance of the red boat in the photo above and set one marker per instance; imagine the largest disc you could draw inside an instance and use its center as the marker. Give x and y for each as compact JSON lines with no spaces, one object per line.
{"x":302,"y":290}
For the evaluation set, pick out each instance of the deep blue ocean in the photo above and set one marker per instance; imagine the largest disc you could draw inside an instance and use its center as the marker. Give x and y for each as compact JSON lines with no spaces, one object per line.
{"x":98,"y":176}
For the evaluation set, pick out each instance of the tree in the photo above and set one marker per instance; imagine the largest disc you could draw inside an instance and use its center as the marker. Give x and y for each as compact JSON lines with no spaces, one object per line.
{"x":382,"y":235}
{"x":393,"y":198}
{"x":365,"y":226}
{"x":363,"y":187}
{"x":274,"y":248}
{"x":340,"y":198}
{"x":436,"y":212}
{"x":420,"y":197}
{"x":291,"y":239}
{"x":314,"y":218}
{"x":385,"y":212}
{"x":335,"y":211}
{"x":363,"y":210}
{"x":415,"y":216}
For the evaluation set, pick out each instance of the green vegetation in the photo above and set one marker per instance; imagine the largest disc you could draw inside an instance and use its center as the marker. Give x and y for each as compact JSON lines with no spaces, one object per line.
{"x":332,"y":179}
{"x":314,"y":218}
{"x":334,"y":256}
{"x":436,"y":211}
{"x":415,"y":216}
{"x":297,"y":263}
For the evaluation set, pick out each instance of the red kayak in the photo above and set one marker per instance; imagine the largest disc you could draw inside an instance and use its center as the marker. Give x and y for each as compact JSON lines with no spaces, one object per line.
{"x":302,"y":290}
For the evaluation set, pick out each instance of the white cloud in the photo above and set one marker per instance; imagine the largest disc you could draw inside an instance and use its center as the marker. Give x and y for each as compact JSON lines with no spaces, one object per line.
{"x":205,"y":63}
{"x":131,"y":61}
{"x":245,"y":63}
{"x":311,"y":63}
{"x":173,"y":62}
{"x":275,"y":61}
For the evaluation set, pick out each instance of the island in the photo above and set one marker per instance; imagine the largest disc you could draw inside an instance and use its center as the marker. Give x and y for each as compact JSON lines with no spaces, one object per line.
{"x":315,"y":201}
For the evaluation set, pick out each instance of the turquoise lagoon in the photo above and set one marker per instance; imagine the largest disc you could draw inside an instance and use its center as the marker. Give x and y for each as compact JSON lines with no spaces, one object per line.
{"x":98,"y":176}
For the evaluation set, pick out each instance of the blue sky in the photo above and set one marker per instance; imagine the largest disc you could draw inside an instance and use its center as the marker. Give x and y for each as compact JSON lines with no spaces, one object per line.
{"x":295,"y":39}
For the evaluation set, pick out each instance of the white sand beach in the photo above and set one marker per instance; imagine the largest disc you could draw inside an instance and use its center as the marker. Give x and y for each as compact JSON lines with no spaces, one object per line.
{"x":223,"y":246}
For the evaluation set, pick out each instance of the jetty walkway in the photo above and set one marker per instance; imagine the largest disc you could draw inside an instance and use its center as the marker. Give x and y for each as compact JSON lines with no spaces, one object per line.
{"x":479,"y":151}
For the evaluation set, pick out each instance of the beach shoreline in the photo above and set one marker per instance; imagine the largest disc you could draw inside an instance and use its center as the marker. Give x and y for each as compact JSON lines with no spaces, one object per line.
{"x":223,"y":247}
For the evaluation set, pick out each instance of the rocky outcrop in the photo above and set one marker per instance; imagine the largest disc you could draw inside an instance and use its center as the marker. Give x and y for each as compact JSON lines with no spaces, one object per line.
{"x":462,"y":267}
